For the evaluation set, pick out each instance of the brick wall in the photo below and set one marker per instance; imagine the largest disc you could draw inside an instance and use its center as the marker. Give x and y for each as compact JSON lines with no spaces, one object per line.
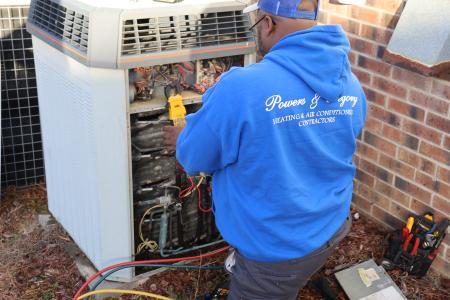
{"x":403,"y":155}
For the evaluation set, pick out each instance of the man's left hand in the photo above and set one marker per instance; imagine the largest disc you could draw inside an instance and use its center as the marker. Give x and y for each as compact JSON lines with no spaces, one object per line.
{"x":171,"y":134}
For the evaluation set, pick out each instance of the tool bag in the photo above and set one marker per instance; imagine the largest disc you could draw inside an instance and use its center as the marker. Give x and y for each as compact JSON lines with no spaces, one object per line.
{"x":415,"y":246}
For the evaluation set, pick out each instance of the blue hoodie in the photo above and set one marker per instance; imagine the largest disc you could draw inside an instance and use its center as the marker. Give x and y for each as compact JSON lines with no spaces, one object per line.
{"x":278,"y":138}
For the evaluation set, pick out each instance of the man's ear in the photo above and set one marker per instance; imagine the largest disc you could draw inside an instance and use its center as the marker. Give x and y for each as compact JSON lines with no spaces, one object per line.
{"x":270,"y":24}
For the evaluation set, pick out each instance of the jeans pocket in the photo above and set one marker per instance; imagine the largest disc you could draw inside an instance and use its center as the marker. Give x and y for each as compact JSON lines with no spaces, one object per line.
{"x":275,"y":276}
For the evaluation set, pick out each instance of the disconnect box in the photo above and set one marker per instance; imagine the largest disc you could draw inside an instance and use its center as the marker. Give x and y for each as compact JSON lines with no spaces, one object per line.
{"x":105,"y":70}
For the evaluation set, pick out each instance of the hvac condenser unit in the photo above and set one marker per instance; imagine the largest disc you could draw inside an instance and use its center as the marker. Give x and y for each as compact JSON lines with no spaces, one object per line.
{"x":104,"y":71}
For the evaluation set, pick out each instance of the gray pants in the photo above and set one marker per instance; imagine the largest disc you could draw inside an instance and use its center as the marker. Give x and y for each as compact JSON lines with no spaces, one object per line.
{"x":253,"y":280}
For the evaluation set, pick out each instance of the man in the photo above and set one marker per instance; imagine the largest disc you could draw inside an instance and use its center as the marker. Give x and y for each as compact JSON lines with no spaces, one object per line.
{"x":278,"y":138}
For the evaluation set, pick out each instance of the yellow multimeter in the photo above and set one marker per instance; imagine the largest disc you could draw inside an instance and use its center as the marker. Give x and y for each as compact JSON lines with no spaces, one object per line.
{"x":177,"y":111}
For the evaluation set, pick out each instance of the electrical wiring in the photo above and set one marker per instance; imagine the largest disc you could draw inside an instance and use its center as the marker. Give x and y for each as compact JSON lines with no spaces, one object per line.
{"x":145,"y":243}
{"x":199,"y":203}
{"x":163,"y":260}
{"x":198,"y":281}
{"x":153,"y":245}
{"x":149,"y":244}
{"x":169,"y":266}
{"x":188,"y":189}
{"x":147,"y":79}
{"x":192,"y":188}
{"x":179,"y":167}
{"x":129,"y":292}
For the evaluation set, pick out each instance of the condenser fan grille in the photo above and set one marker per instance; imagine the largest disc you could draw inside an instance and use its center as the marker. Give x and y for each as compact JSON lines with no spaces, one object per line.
{"x":150,"y":35}
{"x":66,"y":25}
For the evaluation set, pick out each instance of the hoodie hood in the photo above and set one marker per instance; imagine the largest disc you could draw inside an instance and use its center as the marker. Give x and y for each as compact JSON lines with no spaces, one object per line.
{"x":319,"y":56}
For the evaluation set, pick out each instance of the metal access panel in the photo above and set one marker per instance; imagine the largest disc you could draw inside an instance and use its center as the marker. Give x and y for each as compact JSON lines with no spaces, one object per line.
{"x":368,"y":281}
{"x":85,"y":136}
{"x":22,"y":160}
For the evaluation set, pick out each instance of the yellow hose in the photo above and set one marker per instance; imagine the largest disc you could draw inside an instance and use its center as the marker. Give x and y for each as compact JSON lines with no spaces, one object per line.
{"x":129,"y":292}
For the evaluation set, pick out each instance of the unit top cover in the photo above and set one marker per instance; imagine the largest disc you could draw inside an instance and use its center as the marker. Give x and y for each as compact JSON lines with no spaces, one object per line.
{"x":125,"y":34}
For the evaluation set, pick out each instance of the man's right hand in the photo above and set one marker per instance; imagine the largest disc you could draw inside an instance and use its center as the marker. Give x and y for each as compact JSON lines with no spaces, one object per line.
{"x":171,"y":134}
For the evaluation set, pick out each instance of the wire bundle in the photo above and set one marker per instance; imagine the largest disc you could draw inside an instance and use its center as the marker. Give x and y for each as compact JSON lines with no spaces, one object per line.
{"x":195,"y":187}
{"x":153,"y":245}
{"x":153,"y":263}
{"x":146,"y":243}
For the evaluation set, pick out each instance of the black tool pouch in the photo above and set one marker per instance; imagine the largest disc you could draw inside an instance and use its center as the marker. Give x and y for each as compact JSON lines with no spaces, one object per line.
{"x":419,"y":263}
{"x":393,"y":243}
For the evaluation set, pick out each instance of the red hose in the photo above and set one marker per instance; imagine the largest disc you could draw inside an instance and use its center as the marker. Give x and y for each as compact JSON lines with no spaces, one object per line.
{"x":150,"y":261}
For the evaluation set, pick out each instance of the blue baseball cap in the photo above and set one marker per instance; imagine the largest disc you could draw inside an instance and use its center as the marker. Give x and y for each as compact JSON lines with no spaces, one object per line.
{"x":284,"y":8}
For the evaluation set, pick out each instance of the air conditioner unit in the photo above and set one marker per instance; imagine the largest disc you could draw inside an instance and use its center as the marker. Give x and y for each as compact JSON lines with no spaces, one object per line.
{"x":103,"y":69}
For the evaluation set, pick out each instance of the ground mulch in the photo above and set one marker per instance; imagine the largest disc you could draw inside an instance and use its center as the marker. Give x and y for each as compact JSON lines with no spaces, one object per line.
{"x":365,"y":241}
{"x":34,"y":264}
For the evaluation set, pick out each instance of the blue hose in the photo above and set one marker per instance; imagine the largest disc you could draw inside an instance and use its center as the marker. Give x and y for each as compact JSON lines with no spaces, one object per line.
{"x":103,"y":277}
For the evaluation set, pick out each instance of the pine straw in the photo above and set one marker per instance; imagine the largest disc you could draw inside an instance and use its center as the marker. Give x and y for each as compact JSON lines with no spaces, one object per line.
{"x":34,"y":264}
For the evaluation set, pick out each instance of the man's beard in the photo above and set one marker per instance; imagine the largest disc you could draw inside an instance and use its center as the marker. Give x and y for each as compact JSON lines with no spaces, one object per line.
{"x":259,"y":46}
